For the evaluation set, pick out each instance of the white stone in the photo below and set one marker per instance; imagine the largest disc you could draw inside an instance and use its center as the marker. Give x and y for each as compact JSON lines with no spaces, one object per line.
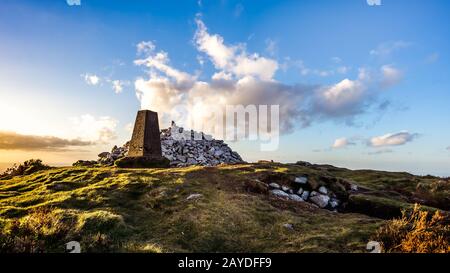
{"x":301,"y":180}
{"x":323,"y":190}
{"x":284,"y":188}
{"x":320,"y":200}
{"x":279,"y":193}
{"x":300,"y":191}
{"x":353,"y":187}
{"x":305,"y":195}
{"x":295,"y":197}
{"x":194,"y":196}
{"x":274,"y":185}
{"x":334,"y":203}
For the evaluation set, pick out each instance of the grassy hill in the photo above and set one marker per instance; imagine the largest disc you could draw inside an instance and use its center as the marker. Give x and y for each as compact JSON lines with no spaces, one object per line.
{"x":148,"y":210}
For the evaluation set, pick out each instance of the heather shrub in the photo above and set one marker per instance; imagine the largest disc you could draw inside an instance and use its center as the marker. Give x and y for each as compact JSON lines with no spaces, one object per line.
{"x":416,"y":232}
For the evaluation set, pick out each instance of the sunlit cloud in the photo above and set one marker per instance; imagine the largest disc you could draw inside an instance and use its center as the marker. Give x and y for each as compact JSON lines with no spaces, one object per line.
{"x":16,"y":141}
{"x":100,"y":130}
{"x":91,"y":79}
{"x":243,"y":78}
{"x":342,"y":143}
{"x":392,"y":139}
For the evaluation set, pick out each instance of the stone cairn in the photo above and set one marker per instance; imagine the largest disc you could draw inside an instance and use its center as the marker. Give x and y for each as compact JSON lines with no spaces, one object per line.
{"x":182,"y":148}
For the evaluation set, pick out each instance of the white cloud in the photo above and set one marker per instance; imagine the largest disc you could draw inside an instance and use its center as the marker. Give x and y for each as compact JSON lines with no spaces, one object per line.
{"x":394,"y":139}
{"x":158,"y":62}
{"x":448,"y":148}
{"x":391,"y":76}
{"x":99,"y":130}
{"x":91,"y":79}
{"x":342,"y":143}
{"x":145,"y":47}
{"x":245,"y":79}
{"x":118,"y":85}
{"x":233,"y":59}
{"x":385,"y":49}
{"x":73,"y":2}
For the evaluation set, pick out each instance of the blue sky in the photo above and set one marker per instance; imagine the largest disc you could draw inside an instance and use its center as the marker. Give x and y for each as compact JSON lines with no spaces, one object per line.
{"x":377,"y":75}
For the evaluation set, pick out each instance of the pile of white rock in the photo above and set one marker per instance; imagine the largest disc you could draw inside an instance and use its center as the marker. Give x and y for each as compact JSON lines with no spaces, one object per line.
{"x":323,"y":198}
{"x":188,"y":147}
{"x":183,"y":148}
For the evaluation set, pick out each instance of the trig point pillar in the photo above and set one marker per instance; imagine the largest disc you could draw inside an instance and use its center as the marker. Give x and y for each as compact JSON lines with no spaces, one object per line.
{"x":146,"y":135}
{"x":145,"y":144}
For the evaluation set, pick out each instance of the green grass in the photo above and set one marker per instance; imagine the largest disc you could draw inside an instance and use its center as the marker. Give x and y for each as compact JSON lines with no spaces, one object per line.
{"x":145,"y":210}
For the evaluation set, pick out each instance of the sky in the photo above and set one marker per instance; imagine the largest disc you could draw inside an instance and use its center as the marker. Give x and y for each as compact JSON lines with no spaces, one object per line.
{"x":359,"y":83}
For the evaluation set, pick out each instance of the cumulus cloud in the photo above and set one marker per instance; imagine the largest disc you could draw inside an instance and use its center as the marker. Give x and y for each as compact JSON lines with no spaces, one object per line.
{"x":15,"y":141}
{"x":342,"y":143}
{"x":233,"y":59}
{"x":392,"y":139}
{"x":91,"y":79}
{"x":99,"y":130}
{"x":73,"y":2}
{"x":243,"y":78}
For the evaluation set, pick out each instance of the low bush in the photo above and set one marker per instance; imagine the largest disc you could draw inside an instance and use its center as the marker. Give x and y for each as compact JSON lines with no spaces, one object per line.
{"x":26,"y":168}
{"x":416,"y":232}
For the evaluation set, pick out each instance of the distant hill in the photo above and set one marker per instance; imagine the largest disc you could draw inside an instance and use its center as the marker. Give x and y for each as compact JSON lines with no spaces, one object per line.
{"x":228,"y":208}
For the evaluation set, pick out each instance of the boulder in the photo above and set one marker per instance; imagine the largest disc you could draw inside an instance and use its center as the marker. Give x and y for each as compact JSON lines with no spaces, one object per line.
{"x":284,"y":188}
{"x":320,"y":200}
{"x":305,"y":195}
{"x":323,"y":190}
{"x":301,"y":180}
{"x":279,"y":193}
{"x":295,"y":197}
